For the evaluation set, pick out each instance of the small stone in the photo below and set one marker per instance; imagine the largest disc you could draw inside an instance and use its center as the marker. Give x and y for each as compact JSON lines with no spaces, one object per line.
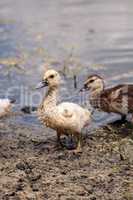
{"x":35,"y":188}
{"x":126,"y":149}
{"x":20,"y":166}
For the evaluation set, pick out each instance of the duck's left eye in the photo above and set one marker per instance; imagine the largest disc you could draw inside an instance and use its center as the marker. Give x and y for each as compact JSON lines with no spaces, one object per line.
{"x":52,"y":76}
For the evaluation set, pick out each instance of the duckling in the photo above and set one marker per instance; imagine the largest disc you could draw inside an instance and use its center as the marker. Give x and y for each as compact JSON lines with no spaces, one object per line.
{"x":118,"y":99}
{"x":5,"y":106}
{"x":66,"y":118}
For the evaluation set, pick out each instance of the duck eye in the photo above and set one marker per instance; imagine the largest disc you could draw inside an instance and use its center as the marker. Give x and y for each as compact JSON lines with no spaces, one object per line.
{"x":51,"y":76}
{"x":91,"y":81}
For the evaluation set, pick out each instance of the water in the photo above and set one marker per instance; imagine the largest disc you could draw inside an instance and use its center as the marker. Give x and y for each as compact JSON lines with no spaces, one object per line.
{"x":98,"y":33}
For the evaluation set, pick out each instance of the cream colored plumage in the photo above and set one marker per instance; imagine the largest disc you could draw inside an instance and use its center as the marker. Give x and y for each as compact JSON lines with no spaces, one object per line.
{"x":5,"y":107}
{"x":65,"y":118}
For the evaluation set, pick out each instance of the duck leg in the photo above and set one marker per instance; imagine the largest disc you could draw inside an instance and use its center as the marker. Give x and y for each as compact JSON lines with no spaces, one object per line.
{"x":79,"y":141}
{"x":123,"y":118}
{"x":132,"y":119}
{"x":119,"y":121}
{"x":59,"y":138}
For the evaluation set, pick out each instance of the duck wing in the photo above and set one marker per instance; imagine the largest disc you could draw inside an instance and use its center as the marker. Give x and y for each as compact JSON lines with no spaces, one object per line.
{"x":118,"y":98}
{"x":72,"y":110}
{"x":120,"y":91}
{"x":69,"y":109}
{"x":127,"y":97}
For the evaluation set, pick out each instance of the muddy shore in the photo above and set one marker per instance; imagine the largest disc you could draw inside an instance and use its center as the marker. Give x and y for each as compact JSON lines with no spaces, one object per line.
{"x":32,"y":167}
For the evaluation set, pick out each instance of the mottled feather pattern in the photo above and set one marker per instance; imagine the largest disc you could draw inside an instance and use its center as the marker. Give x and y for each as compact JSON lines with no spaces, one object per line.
{"x":118,"y":99}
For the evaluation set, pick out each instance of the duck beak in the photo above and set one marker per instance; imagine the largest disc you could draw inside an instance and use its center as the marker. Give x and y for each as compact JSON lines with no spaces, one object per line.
{"x":42,"y":84}
{"x":85,"y":88}
{"x":82,"y":89}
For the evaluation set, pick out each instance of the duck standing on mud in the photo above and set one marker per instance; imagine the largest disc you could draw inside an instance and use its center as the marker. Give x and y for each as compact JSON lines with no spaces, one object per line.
{"x":118,"y":99}
{"x":66,"y":118}
{"x":5,"y":106}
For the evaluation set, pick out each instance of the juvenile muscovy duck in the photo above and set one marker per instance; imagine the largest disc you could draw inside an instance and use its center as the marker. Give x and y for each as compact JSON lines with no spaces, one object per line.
{"x":66,"y":118}
{"x":118,"y":99}
{"x":5,"y":106}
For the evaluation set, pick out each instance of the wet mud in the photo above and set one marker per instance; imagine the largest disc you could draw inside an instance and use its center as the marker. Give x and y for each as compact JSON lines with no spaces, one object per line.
{"x":33,"y":167}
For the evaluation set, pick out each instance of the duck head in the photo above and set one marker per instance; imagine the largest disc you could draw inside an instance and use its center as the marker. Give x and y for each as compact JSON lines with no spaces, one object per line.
{"x":51,"y":79}
{"x":93,"y":82}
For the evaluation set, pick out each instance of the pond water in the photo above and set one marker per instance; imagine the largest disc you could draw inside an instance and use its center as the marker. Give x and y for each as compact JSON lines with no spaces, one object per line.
{"x":87,"y":36}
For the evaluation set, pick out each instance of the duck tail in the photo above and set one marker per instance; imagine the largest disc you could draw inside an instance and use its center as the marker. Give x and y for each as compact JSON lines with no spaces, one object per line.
{"x":12,"y":101}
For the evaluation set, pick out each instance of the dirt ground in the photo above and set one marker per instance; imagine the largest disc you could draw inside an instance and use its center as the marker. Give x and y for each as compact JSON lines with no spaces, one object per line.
{"x":32,"y":167}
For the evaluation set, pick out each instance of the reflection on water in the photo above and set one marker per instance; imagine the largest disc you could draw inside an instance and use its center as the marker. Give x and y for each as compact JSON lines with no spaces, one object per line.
{"x":98,"y":34}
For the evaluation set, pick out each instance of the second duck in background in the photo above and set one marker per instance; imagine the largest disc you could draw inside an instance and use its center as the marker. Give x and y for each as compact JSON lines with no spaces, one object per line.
{"x":118,"y":99}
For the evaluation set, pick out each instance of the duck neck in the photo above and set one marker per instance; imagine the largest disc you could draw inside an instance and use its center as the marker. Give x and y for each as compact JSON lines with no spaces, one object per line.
{"x":50,"y":99}
{"x":95,"y":93}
